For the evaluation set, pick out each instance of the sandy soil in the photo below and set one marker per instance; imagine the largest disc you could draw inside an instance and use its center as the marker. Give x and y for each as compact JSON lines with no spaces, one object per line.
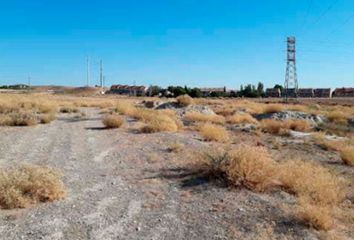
{"x":126,"y":185}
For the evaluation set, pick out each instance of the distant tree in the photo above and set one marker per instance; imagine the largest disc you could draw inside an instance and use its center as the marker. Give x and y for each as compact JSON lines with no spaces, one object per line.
{"x":260,"y":89}
{"x":177,"y":91}
{"x":195,"y":93}
{"x":154,"y":90}
{"x":279,"y":86}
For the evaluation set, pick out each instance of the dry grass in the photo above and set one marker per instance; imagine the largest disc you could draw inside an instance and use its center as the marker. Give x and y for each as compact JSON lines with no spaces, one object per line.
{"x":69,"y":109}
{"x":300,"y":125}
{"x":47,"y":118}
{"x":307,"y":179}
{"x":320,"y":139}
{"x":340,"y":117}
{"x":175,"y":147}
{"x":184,"y":100}
{"x":156,"y":120}
{"x":273,"y":127}
{"x":241,"y":118}
{"x":160,"y":123}
{"x":273,"y":108}
{"x":27,"y":185}
{"x":318,"y":190}
{"x":199,"y":117}
{"x":347,"y":155}
{"x":245,"y":165}
{"x":282,"y":127}
{"x":344,"y":147}
{"x":113,"y":121}
{"x":212,"y":132}
{"x":252,"y":167}
{"x":316,"y":216}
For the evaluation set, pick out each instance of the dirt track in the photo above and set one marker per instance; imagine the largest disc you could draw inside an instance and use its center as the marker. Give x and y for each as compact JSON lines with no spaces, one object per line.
{"x":124,"y":185}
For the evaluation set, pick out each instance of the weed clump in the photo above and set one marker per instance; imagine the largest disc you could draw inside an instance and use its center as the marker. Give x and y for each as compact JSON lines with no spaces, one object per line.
{"x":27,"y":185}
{"x":212,"y":132}
{"x":251,"y":167}
{"x":282,"y":127}
{"x":347,"y":155}
{"x":184,"y":100}
{"x":241,"y":118}
{"x":113,"y":121}
{"x":200,"y":117}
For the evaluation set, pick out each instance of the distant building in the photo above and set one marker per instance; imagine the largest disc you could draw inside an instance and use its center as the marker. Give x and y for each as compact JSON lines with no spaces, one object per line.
{"x":343,"y":92}
{"x":291,"y":93}
{"x":209,"y":92}
{"x":273,"y":92}
{"x":322,"y":92}
{"x":305,"y":92}
{"x":128,"y":90}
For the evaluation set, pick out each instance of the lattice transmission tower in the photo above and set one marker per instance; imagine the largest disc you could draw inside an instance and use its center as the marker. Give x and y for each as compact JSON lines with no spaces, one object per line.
{"x":291,"y":84}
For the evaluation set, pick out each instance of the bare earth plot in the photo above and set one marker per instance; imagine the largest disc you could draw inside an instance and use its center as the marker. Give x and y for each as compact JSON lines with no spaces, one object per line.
{"x":126,"y":185}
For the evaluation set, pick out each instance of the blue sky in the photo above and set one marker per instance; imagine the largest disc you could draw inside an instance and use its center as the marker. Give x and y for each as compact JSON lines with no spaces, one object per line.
{"x":176,"y":42}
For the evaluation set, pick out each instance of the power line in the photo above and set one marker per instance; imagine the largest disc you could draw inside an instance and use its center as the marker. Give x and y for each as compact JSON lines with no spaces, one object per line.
{"x":88,"y":71}
{"x":340,"y":26}
{"x":309,"y":8}
{"x":324,"y":13}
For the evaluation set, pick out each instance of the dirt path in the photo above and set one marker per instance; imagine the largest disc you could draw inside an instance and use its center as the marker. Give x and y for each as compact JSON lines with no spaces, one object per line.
{"x":117,"y":189}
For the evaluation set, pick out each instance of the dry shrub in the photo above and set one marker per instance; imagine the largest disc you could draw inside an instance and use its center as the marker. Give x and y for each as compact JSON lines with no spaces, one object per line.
{"x":126,"y":108}
{"x":113,"y":121}
{"x":47,"y":118}
{"x":340,"y":117}
{"x":273,"y":108}
{"x":199,"y":117}
{"x":273,"y":127}
{"x":313,"y":181}
{"x":160,"y":123}
{"x":69,"y":109}
{"x":212,"y":132}
{"x":252,"y":167}
{"x":20,"y":118}
{"x":224,"y":111}
{"x":175,"y":147}
{"x":184,"y":100}
{"x":298,"y":108}
{"x":300,"y":125}
{"x":241,"y":118}
{"x":156,"y":121}
{"x":26,"y":185}
{"x":282,"y":127}
{"x":247,"y":166}
{"x":318,"y":190}
{"x":48,"y":108}
{"x":316,"y":216}
{"x":347,"y":155}
{"x":320,"y":139}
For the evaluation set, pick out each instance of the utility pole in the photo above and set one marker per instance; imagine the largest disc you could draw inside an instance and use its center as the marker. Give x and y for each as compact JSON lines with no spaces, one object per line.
{"x":101,"y":74}
{"x":291,"y":84}
{"x":29,"y":82}
{"x":88,"y":71}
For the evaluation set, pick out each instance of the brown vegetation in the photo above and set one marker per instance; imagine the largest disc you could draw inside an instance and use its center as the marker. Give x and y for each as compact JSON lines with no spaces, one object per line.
{"x":184,"y":100}
{"x":339,"y":117}
{"x":212,"y":132}
{"x":252,"y":167}
{"x":318,"y":190}
{"x":113,"y":121}
{"x":199,"y":117}
{"x":282,"y":127}
{"x":241,"y":118}
{"x":27,"y":185}
{"x":347,"y":155}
